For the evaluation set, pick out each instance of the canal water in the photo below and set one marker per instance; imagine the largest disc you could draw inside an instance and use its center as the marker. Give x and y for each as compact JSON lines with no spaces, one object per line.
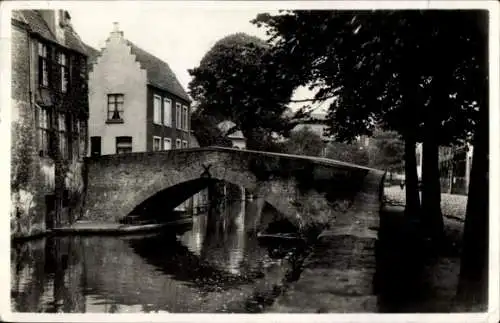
{"x":217,"y":264}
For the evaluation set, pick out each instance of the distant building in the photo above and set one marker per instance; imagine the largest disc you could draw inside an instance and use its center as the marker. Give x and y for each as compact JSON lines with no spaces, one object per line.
{"x":454,"y":164}
{"x":237,"y":138}
{"x":49,"y":120}
{"x":136,"y":101}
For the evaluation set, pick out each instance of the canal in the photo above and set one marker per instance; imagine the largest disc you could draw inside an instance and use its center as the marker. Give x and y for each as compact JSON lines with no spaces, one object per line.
{"x":216,"y":264}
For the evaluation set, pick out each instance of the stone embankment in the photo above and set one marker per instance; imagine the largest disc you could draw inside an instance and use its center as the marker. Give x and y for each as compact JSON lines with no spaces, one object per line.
{"x":338,"y":275}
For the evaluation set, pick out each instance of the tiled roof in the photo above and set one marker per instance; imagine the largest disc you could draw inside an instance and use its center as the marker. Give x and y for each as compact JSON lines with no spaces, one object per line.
{"x":38,"y":26}
{"x":159,"y":73}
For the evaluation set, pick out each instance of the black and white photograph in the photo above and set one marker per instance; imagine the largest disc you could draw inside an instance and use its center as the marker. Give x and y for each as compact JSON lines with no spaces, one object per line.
{"x":227,"y":157}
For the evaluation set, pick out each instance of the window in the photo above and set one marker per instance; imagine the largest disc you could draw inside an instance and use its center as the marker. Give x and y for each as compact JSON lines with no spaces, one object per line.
{"x":115,"y":107}
{"x":43,"y":68}
{"x":156,"y":143}
{"x":82,"y":137}
{"x":184,"y":144}
{"x":44,"y":131}
{"x":167,"y":112}
{"x":63,"y":64}
{"x":178,"y":144}
{"x":167,"y":144}
{"x":123,"y":145}
{"x":157,"y":109}
{"x":75,"y":139}
{"x":178,"y":116}
{"x":185,"y":118}
{"x":63,"y":140}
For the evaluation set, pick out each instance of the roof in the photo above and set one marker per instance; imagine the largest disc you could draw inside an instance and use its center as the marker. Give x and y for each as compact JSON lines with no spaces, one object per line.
{"x":158,"y":72}
{"x":36,"y":24}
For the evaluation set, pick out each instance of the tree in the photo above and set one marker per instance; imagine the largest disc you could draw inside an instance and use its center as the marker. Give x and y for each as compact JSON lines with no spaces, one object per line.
{"x":419,"y":73}
{"x":385,"y":70}
{"x":473,"y":284}
{"x":206,"y":131}
{"x":349,"y":153}
{"x":386,"y":150}
{"x":304,"y":142}
{"x":237,"y":81}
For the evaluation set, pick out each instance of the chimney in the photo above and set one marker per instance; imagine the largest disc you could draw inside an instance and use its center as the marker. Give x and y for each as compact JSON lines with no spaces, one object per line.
{"x":116,"y":33}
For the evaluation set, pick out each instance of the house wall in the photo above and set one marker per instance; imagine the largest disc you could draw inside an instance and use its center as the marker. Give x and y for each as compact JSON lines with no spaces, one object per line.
{"x":163,"y":131}
{"x":34,"y":177}
{"x":27,"y":209}
{"x":117,"y":71}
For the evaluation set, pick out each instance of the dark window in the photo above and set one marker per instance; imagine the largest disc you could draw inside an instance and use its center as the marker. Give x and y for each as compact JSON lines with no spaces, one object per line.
{"x":62,"y":60}
{"x":178,"y":116}
{"x":115,"y":107}
{"x":44,"y":121}
{"x":50,"y":208}
{"x":82,"y":137}
{"x":64,"y":135}
{"x":185,"y":118}
{"x":43,"y":65}
{"x":65,"y":199}
{"x":95,"y":146}
{"x":156,"y":143}
{"x":123,"y":145}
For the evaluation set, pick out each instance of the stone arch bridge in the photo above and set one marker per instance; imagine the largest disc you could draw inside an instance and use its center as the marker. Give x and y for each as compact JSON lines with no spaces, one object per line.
{"x":299,"y":187}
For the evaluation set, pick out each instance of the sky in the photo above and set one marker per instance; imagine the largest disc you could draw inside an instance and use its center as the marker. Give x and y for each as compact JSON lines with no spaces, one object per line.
{"x":178,"y":35}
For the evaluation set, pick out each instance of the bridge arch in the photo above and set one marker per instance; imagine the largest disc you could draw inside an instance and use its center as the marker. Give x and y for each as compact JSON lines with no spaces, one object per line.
{"x":118,"y":184}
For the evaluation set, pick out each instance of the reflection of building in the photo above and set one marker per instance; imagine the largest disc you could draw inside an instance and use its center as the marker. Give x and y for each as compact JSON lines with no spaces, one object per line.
{"x":48,"y":120}
{"x":454,"y":164}
{"x":236,"y":137}
{"x":136,"y":102}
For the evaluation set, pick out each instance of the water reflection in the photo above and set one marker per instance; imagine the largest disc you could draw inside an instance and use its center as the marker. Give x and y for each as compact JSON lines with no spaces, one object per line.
{"x":214,"y":266}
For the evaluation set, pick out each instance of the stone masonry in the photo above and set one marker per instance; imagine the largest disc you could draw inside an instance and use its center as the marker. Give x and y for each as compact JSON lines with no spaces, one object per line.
{"x":118,"y":183}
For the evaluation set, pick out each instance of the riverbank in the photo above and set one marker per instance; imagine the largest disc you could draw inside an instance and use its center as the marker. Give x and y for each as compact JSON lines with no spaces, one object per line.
{"x":337,"y":276}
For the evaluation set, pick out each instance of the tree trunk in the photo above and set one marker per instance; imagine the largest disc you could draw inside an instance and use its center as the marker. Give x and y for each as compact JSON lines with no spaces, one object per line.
{"x":411,"y":178}
{"x":432,"y":219}
{"x":473,"y":285}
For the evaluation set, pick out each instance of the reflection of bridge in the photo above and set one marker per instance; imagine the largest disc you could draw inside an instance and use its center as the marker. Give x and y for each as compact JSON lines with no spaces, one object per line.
{"x":117,"y":184}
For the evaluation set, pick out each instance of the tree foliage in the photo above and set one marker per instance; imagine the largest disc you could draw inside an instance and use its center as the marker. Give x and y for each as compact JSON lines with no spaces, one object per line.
{"x":421,"y":73}
{"x":386,"y":150}
{"x":304,"y":142}
{"x":238,"y":81}
{"x":206,"y":131}
{"x":348,"y":152}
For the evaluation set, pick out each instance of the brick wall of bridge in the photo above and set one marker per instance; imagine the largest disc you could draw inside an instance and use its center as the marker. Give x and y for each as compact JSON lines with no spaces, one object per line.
{"x":118,"y":184}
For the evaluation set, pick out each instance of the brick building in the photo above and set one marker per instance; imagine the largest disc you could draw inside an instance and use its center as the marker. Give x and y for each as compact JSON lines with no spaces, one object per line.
{"x":49,"y":120}
{"x":136,"y":102}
